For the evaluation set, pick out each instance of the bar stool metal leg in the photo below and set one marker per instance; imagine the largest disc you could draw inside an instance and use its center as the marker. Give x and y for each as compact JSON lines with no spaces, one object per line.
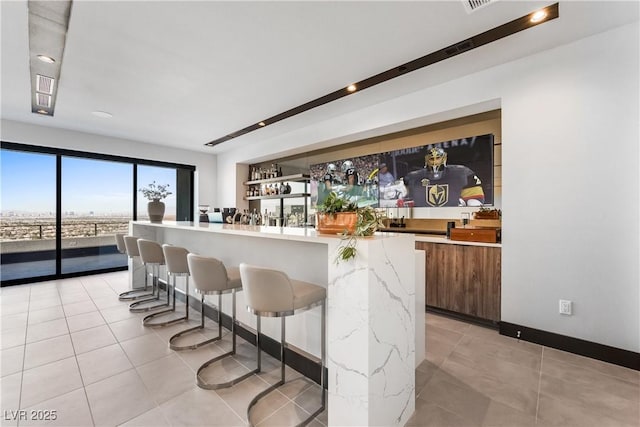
{"x":146,"y":320}
{"x":202,"y":383}
{"x":136,"y":308}
{"x":137,"y":294}
{"x":200,"y":327}
{"x":283,"y":344}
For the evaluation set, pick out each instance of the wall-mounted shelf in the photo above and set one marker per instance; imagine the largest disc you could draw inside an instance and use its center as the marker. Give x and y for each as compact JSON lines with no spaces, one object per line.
{"x":278,"y":196}
{"x":298,"y":177}
{"x":253,"y":186}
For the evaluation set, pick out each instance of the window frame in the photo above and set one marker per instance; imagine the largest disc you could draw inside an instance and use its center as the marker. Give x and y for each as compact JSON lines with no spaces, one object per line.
{"x":183,"y":170}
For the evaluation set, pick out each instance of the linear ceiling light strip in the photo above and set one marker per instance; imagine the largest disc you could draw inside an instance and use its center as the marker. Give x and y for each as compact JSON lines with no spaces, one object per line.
{"x":48,"y":24}
{"x":467,"y":45}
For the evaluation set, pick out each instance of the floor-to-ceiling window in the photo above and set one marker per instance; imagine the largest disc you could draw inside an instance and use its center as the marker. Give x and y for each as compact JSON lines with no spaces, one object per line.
{"x":60,"y":209}
{"x":28,"y":214}
{"x":97,"y":202}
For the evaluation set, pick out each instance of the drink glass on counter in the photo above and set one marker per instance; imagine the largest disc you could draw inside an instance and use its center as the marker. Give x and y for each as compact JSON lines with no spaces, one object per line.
{"x":465,"y":219}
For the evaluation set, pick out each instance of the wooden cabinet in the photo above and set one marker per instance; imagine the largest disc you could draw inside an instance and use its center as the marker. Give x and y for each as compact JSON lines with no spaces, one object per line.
{"x":464,"y":279}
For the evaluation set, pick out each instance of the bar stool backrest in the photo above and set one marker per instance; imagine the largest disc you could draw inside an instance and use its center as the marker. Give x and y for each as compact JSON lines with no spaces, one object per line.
{"x":266,"y":290}
{"x":209,"y":274}
{"x":120,"y":243}
{"x":150,"y":252}
{"x":176,"y":258}
{"x":131,"y":244}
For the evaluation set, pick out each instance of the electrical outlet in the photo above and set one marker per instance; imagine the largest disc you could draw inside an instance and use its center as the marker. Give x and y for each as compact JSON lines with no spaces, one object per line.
{"x":565,"y":307}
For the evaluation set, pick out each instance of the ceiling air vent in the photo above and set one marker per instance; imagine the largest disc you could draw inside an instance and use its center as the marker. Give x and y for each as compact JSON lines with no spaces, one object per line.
{"x":44,"y":84}
{"x":43,"y":100}
{"x":472,"y":5}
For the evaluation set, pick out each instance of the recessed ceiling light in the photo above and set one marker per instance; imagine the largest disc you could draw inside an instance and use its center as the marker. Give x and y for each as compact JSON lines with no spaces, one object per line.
{"x":102,"y":114}
{"x":262,"y":124}
{"x":47,"y":59}
{"x":351,"y":88}
{"x":43,"y":111}
{"x":538,"y":16}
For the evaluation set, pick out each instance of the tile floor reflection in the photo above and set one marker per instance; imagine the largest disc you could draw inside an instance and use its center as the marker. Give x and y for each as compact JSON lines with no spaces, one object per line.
{"x":71,"y":346}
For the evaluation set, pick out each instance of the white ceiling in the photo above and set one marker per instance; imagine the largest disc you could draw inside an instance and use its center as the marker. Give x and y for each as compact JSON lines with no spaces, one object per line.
{"x":187,"y":72}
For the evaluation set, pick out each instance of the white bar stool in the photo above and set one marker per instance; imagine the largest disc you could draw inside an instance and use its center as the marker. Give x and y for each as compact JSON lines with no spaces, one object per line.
{"x":271,"y":293}
{"x":129,"y":245}
{"x":211,"y":277}
{"x":176,"y":261}
{"x":151,"y":256}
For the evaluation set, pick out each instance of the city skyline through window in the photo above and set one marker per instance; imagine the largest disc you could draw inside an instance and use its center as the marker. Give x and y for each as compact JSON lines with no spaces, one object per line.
{"x":97,"y":202}
{"x":95,"y":197}
{"x":28,"y":205}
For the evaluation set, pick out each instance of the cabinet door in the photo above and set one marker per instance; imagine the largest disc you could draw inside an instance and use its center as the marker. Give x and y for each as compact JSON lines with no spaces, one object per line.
{"x":489,"y":292}
{"x":431,"y":295}
{"x":463,"y":279}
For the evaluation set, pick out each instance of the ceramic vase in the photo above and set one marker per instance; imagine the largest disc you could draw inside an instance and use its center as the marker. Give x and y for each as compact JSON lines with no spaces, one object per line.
{"x":155,"y":208}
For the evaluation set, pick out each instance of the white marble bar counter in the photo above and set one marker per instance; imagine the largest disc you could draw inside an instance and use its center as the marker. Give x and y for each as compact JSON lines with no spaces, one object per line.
{"x":371,"y":308}
{"x":437,"y":238}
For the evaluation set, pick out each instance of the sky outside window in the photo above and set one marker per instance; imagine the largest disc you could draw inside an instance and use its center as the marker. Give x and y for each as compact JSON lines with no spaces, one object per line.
{"x":28,"y":182}
{"x":96,"y":187}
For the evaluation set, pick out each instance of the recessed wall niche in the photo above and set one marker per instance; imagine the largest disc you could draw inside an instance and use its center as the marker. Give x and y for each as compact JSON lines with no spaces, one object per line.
{"x":464,"y":127}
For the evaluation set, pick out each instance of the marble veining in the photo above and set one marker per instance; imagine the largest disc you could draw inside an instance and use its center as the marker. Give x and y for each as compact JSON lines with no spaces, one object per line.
{"x":371,"y":336}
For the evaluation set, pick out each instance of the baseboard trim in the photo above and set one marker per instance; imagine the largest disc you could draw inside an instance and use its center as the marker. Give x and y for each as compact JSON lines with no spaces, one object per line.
{"x":617,"y":356}
{"x":464,"y":317}
{"x":308,"y":367}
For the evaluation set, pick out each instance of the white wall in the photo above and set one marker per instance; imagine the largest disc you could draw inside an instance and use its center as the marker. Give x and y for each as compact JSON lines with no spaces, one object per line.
{"x":570,"y":177}
{"x":205,"y":164}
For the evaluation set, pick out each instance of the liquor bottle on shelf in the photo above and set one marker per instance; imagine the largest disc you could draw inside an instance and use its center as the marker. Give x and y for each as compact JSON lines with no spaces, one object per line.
{"x":280,"y":171}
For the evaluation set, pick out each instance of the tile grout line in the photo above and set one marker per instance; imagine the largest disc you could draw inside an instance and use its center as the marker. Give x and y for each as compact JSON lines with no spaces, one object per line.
{"x":504,"y":346}
{"x":274,"y":412}
{"x":75,"y":355}
{"x":596,"y":371}
{"x":24,"y":356}
{"x":135,"y":368}
{"x":539,"y":384}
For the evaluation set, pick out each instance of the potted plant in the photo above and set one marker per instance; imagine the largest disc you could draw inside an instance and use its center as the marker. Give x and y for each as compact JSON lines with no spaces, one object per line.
{"x":339,"y":215}
{"x":336,"y":215}
{"x":154,"y":193}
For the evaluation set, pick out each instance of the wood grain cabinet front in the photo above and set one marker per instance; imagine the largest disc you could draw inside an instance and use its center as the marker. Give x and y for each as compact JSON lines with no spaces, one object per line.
{"x":463,"y":279}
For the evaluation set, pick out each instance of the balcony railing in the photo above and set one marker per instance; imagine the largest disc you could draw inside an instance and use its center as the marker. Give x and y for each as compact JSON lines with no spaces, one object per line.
{"x":46,"y":230}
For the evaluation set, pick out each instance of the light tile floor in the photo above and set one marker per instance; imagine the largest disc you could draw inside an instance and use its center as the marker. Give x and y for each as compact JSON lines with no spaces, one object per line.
{"x":72,"y":347}
{"x":474,"y":376}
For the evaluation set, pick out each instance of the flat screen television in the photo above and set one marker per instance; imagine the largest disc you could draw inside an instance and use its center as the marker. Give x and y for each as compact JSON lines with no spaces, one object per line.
{"x":450,"y":173}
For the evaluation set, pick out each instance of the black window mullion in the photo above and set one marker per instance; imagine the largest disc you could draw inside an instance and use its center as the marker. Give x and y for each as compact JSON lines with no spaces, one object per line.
{"x":58,"y":215}
{"x":135,"y":191}
{"x":184,"y":182}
